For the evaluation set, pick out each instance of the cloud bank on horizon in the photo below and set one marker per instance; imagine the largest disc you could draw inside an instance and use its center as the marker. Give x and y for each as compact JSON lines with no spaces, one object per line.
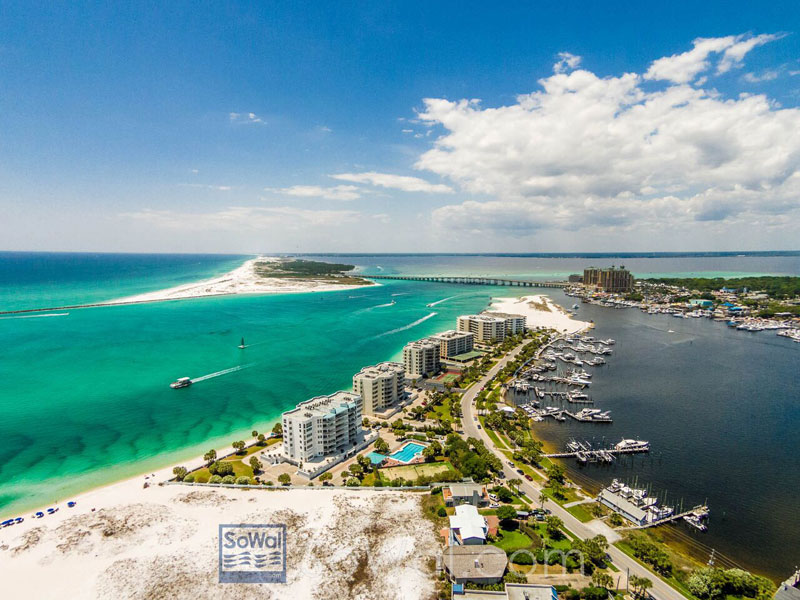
{"x":659,"y":149}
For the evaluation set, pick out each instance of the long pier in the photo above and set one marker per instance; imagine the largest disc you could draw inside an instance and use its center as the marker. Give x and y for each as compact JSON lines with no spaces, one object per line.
{"x":466,"y":280}
{"x":609,"y":450}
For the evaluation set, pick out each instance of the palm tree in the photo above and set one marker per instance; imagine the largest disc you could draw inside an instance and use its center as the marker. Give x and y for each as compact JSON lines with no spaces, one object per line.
{"x":542,"y":499}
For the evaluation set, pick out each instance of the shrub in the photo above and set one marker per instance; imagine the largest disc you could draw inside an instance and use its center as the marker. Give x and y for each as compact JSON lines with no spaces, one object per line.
{"x":215,"y":479}
{"x":189,"y":478}
{"x":243,"y":480}
{"x":228,"y":479}
{"x":441,"y":512}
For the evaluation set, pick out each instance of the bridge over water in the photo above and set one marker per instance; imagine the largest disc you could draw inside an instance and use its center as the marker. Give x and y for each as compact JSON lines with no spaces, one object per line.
{"x":467,"y":280}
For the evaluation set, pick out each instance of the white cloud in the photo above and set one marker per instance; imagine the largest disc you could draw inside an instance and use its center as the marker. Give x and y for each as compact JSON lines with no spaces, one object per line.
{"x":768,"y":75}
{"x":566,"y":62}
{"x":244,"y":218}
{"x":395,"y":182}
{"x":246,"y":118}
{"x":338,"y":192}
{"x":586,"y":152}
{"x":205,"y":186}
{"x":682,"y":68}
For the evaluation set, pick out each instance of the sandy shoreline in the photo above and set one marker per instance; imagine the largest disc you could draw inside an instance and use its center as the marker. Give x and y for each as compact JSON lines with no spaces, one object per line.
{"x":242,"y":280}
{"x":163,"y":542}
{"x":540,"y":311}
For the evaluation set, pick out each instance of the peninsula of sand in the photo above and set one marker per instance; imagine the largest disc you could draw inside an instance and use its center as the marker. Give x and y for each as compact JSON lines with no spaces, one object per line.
{"x":251,"y":278}
{"x":539,"y":311}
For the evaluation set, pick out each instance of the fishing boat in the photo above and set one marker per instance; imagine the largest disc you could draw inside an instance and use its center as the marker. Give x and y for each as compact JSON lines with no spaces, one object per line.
{"x":181,"y":382}
{"x":629,"y":445}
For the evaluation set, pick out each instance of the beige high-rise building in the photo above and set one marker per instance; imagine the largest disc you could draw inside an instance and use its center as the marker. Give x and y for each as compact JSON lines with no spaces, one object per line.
{"x":421,"y":358}
{"x":452,"y":343}
{"x":609,"y":280}
{"x":485,"y":327}
{"x":322,"y":426}
{"x":380,"y":386}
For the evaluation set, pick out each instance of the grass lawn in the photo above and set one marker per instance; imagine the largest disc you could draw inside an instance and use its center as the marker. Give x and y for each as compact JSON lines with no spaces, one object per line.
{"x":511,"y":541}
{"x":581,"y":512}
{"x":414,"y":471}
{"x":671,"y":580}
{"x":570,"y":495}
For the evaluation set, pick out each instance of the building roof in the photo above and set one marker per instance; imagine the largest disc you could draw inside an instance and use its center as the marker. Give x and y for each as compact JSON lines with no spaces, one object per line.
{"x":451,"y":334}
{"x":381,"y":370}
{"x":624,"y":505}
{"x":475,"y":562}
{"x":489,"y":318}
{"x":463,"y":490}
{"x":469,"y":523}
{"x":324,"y":405}
{"x":530,"y":591}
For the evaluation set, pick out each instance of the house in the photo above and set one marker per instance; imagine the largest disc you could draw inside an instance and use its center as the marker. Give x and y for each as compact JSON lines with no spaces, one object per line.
{"x":468,"y":527}
{"x":476,"y":564}
{"x":465,"y":493}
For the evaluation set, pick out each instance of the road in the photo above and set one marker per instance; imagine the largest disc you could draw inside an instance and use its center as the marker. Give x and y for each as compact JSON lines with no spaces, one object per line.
{"x":660,"y":590}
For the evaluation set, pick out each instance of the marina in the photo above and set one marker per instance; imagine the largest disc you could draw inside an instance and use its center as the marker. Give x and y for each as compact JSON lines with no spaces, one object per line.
{"x":642,"y":509}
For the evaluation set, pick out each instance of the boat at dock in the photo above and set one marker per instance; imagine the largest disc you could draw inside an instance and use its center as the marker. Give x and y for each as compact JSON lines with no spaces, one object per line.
{"x":632,"y":446}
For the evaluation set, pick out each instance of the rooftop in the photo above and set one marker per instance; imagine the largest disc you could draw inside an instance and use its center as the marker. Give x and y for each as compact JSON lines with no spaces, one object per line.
{"x":322,"y":405}
{"x":484,"y":317}
{"x":475,"y":562}
{"x":451,"y":334}
{"x":384,"y":368}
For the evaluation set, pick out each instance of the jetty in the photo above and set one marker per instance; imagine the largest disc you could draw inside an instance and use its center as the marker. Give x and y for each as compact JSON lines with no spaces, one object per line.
{"x":613,"y":451}
{"x":467,"y":280}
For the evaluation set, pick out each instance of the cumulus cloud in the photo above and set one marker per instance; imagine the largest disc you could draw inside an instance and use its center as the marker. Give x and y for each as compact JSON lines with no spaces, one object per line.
{"x":585,"y":151}
{"x":338,"y":192}
{"x":403,"y":183}
{"x":730,"y":50}
{"x":768,"y":75}
{"x":244,"y":218}
{"x":246,"y":118}
{"x":566,"y":62}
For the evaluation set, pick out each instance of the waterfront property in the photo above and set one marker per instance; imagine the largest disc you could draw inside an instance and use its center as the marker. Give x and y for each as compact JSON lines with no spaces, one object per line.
{"x":514,"y":323}
{"x":465,"y":493}
{"x":323,"y":431}
{"x":474,"y":564}
{"x":409,"y":453}
{"x":512,"y":591}
{"x":381,"y":388}
{"x":609,"y":280}
{"x":485,"y":328}
{"x":467,"y":526}
{"x":422,"y":358}
{"x":452,"y":343}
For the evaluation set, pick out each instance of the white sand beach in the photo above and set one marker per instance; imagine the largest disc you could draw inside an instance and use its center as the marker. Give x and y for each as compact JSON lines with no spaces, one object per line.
{"x":162,"y":542}
{"x":540,"y":311}
{"x":242,"y":280}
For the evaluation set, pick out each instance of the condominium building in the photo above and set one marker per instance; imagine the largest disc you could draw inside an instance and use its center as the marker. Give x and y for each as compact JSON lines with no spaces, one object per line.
{"x":421,"y":358}
{"x":380,"y":386}
{"x":615,"y":279}
{"x":452,"y":343}
{"x":514,"y":323}
{"x":322,"y":426}
{"x":485,"y":327}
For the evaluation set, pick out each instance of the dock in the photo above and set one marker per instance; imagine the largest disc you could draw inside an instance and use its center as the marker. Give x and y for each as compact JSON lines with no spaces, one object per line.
{"x":608,"y":450}
{"x":697,"y":510}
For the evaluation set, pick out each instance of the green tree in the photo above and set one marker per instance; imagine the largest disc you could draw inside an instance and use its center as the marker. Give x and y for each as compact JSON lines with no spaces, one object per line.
{"x":557,"y":473}
{"x":239,"y":446}
{"x":357,"y":470}
{"x":506,"y":513}
{"x":381,"y":446}
{"x":215,"y":479}
{"x":284,"y":478}
{"x":179,"y":472}
{"x":262,"y":439}
{"x":255,"y":464}
{"x":353,"y":482}
{"x":277,"y":429}
{"x":504,"y":494}
{"x":515,"y":483}
{"x":254,"y":433}
{"x":602,"y":579}
{"x":326,"y":476}
{"x":189,"y":478}
{"x":228,"y":479}
{"x":553,"y":526}
{"x":243,"y":480}
{"x":210,"y":456}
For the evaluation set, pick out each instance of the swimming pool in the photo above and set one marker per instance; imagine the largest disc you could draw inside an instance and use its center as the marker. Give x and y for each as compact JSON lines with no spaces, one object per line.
{"x":408,"y":452}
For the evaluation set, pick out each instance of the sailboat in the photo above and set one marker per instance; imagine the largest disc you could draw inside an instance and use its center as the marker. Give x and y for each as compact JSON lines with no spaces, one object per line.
{"x":241,"y":345}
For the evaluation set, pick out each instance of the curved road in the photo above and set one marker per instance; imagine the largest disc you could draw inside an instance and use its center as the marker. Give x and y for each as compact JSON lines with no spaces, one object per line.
{"x":660,"y":590}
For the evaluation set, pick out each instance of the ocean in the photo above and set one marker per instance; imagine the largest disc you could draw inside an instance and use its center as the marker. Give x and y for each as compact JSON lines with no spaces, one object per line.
{"x":85,"y":396}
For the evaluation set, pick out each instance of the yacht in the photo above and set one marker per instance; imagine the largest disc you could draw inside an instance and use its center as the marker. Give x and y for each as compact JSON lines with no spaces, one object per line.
{"x":632,"y":445}
{"x":180,"y":383}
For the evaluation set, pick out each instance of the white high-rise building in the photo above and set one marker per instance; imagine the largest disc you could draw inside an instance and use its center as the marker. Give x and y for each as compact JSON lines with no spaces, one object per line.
{"x":322,"y":426}
{"x":514,"y":323}
{"x":421,"y":358}
{"x":380,"y":386}
{"x":452,"y":343}
{"x":485,"y":327}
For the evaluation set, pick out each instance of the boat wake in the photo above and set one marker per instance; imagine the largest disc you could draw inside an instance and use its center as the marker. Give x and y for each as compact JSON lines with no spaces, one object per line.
{"x":220,"y":373}
{"x":36,"y":316}
{"x":440,"y":301}
{"x":405,"y":327}
{"x":384,"y":305}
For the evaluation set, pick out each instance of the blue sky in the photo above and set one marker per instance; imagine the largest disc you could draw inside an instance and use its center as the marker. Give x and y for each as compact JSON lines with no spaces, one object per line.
{"x":283,"y":127}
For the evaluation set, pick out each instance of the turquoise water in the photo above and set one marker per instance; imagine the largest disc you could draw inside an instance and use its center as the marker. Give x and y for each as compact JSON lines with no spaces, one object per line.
{"x":408,"y":452}
{"x":85,"y":397}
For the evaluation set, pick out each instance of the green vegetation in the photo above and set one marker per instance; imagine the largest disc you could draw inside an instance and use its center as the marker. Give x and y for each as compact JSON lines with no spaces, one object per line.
{"x":716,"y":583}
{"x":308,"y":270}
{"x":471,"y":458}
{"x":775,"y":287}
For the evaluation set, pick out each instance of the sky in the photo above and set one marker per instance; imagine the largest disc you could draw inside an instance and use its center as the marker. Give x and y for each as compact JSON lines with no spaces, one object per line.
{"x":400,"y":127}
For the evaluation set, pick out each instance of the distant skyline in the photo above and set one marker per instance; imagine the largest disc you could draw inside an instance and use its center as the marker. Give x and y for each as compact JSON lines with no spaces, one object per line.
{"x":372,"y":127}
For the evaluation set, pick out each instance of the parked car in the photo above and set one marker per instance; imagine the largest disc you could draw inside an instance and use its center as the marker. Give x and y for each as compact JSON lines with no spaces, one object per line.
{"x":520,"y":471}
{"x":528,"y":477}
{"x":479,"y":427}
